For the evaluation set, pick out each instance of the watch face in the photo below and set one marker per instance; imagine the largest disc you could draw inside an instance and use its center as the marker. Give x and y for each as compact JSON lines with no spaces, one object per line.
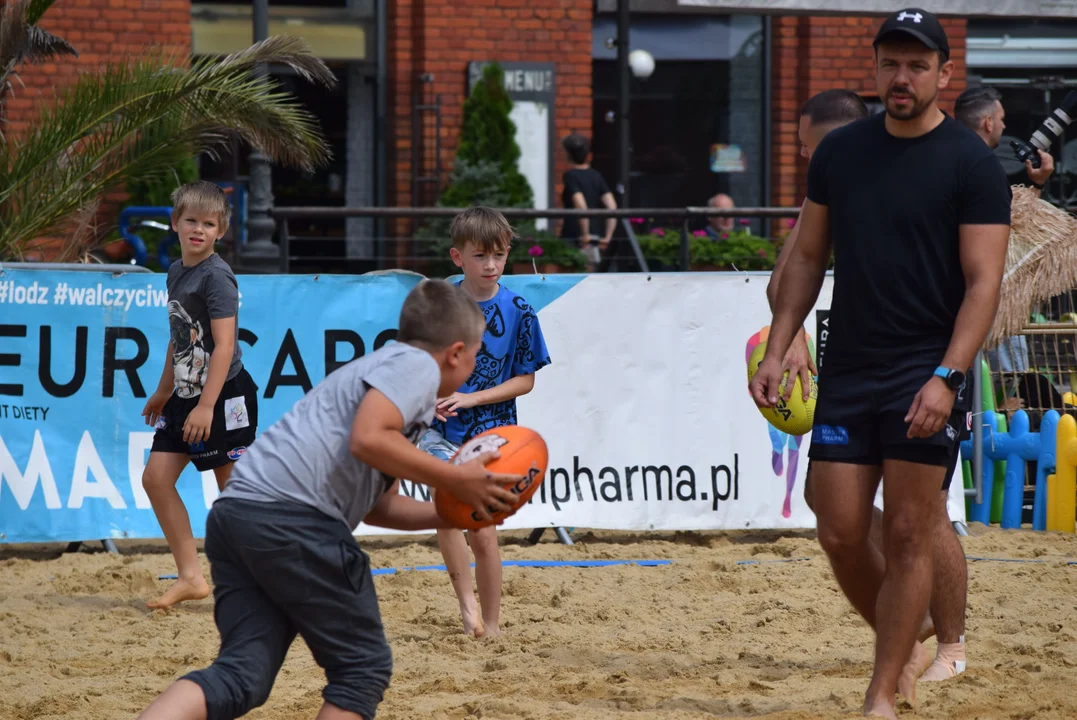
{"x":956,"y":379}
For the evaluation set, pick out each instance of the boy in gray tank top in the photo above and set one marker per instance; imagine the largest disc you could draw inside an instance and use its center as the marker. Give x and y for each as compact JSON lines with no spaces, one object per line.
{"x":279,"y":538}
{"x":205,"y":408}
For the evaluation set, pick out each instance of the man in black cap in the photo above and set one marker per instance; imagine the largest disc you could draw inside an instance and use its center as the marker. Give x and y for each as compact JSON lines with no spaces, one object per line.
{"x":916,"y":209}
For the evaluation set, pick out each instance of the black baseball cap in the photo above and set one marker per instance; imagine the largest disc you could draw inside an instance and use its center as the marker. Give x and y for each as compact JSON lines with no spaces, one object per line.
{"x":918,"y":23}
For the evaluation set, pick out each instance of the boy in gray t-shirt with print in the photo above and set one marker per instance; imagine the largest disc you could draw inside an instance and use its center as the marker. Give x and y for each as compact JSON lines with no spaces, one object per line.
{"x":205,"y":408}
{"x":279,"y":538}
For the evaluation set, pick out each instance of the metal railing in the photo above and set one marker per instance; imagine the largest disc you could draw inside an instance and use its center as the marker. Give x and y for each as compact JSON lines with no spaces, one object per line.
{"x":414,"y":247}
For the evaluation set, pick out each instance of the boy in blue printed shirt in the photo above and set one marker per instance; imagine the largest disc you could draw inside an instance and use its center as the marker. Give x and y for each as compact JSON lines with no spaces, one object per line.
{"x":513,"y":350}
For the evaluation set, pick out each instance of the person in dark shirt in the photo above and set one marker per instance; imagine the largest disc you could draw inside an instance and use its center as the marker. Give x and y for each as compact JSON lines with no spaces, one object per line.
{"x":822,"y":114}
{"x":917,"y":210}
{"x":585,"y":188}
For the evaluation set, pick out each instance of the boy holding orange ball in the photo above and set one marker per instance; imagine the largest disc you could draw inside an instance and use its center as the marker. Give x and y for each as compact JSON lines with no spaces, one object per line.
{"x":513,"y":350}
{"x":279,"y":538}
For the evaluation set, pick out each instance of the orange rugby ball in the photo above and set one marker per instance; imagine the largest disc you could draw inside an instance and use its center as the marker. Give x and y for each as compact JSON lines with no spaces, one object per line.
{"x":523,"y":452}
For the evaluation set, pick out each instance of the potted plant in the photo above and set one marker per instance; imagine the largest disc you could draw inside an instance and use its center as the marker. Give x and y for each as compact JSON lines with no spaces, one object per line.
{"x":485,"y":168}
{"x":740,"y":251}
{"x":545,"y":254}
{"x":737,"y":250}
{"x":661,"y":247}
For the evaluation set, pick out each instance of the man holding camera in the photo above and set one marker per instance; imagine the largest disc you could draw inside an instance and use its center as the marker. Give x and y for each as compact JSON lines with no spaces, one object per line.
{"x":980,"y":109}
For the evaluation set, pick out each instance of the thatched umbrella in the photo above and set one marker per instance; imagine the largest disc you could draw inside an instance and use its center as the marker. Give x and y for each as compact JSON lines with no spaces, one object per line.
{"x":1041,"y":262}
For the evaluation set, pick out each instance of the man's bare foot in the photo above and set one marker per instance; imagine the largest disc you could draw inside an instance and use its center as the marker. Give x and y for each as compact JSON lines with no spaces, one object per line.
{"x":181,"y":590}
{"x":472,"y":622}
{"x":919,"y":661}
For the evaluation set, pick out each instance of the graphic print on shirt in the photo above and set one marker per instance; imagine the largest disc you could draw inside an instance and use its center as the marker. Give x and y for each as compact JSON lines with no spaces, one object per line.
{"x":525,"y":350}
{"x":498,"y":352}
{"x":190,"y":361}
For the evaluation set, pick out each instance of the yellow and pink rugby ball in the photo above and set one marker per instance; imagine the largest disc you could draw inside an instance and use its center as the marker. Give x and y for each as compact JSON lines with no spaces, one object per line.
{"x":794,"y":416}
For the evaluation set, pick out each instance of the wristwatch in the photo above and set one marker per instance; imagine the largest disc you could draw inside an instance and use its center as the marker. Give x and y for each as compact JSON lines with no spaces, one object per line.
{"x":954,"y":378}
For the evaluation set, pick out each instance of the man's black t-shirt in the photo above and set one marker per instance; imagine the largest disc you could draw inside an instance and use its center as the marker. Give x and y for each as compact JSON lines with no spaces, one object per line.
{"x":592,"y":185}
{"x":895,"y":207}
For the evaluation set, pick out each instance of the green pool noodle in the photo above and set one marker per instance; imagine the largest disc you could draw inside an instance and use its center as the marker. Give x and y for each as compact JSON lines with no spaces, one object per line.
{"x":998,"y":487}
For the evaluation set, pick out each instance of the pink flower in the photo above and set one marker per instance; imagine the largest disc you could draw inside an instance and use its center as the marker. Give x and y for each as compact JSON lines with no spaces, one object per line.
{"x":761,"y":252}
{"x":745,"y":221}
{"x":534,"y":250}
{"x":790,"y":223}
{"x":659,"y":232}
{"x":700,"y":233}
{"x":725,"y":236}
{"x":636,"y":221}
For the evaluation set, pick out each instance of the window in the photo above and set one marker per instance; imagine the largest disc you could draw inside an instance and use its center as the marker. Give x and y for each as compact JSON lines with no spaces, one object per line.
{"x":697,"y":122}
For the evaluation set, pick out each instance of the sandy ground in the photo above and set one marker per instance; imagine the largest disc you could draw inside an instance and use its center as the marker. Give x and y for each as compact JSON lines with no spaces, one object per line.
{"x":702,"y":637}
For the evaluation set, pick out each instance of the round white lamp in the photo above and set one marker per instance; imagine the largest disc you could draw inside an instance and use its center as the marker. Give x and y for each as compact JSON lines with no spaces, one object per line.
{"x":642,"y":63}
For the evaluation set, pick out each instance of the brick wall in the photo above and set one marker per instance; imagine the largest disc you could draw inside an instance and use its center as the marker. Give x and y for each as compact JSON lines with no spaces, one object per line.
{"x":812,"y":54}
{"x":442,"y":36}
{"x":102,"y":31}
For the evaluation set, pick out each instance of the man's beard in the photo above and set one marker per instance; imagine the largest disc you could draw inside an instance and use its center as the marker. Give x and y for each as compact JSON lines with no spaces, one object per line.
{"x":915,"y":109}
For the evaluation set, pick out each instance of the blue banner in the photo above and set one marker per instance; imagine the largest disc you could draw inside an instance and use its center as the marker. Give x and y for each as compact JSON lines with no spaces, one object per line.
{"x":80,"y":352}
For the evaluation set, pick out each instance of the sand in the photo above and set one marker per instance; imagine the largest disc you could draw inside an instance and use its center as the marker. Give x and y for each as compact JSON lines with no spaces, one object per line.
{"x":702,"y":637}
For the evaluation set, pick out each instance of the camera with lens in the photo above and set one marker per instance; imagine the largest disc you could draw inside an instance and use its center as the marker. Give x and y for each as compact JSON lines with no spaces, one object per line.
{"x":1052,"y":128}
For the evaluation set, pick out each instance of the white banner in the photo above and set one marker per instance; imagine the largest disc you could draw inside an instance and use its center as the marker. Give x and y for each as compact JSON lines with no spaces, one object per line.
{"x":645,"y":408}
{"x":647,"y":415}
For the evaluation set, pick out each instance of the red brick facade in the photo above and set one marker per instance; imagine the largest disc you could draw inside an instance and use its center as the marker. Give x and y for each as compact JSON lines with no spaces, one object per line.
{"x":102,"y":31}
{"x":441,"y":37}
{"x":812,"y":54}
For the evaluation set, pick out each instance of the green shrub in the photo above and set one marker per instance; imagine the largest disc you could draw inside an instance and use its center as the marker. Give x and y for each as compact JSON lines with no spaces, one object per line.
{"x":740,"y":250}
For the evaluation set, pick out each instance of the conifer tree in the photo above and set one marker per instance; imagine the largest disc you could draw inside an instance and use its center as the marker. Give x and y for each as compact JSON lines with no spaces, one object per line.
{"x":488,"y":149}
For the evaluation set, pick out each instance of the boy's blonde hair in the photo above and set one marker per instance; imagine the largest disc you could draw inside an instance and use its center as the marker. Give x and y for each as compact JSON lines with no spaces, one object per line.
{"x":485,"y":227}
{"x":437,"y":313}
{"x":202,"y":197}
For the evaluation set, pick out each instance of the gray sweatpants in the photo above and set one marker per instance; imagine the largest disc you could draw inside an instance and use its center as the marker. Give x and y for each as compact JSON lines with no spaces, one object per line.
{"x":280,"y":569}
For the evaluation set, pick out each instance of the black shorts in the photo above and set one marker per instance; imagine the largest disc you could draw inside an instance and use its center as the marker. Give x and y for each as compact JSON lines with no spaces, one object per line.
{"x":860,"y":418}
{"x":235,"y":425}
{"x":281,"y":569}
{"x":946,"y":481}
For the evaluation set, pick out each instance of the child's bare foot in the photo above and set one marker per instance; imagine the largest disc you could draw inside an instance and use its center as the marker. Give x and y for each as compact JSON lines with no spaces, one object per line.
{"x":493,"y":631}
{"x":918,"y":662}
{"x":181,"y":590}
{"x":880,"y":709}
{"x":472,"y":622}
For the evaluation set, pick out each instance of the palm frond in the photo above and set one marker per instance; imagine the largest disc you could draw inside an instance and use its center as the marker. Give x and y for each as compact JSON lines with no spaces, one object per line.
{"x":140,"y":118}
{"x":20,"y":38}
{"x":42,"y":45}
{"x":22,"y":41}
{"x":36,"y":8}
{"x":288,"y":50}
